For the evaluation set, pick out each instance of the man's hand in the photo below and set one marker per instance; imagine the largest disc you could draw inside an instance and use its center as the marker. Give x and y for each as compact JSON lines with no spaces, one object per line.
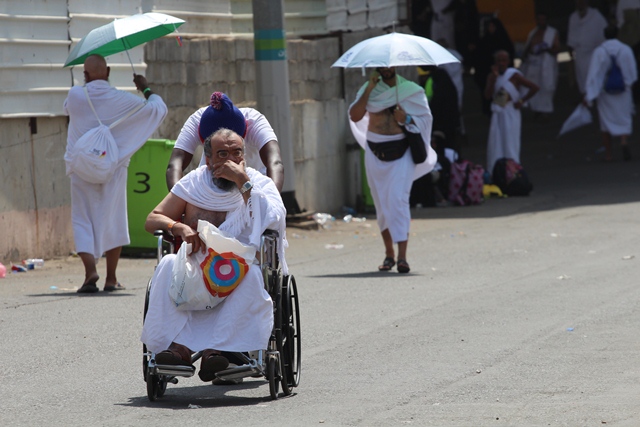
{"x":140,"y":81}
{"x":189,"y":235}
{"x":400,"y":115}
{"x":228,"y":169}
{"x":374,"y":78}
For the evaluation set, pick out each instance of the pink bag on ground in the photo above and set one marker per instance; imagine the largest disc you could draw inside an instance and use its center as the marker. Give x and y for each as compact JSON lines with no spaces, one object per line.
{"x":465,"y":184}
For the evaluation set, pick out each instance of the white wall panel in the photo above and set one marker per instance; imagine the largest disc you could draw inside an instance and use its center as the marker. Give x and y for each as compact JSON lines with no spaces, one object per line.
{"x":85,"y":15}
{"x":382,"y":13}
{"x":33,"y":46}
{"x":337,"y":15}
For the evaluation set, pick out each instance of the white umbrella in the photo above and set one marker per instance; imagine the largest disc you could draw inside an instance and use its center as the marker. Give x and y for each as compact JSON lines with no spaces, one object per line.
{"x":123,"y":34}
{"x":395,"y":50}
{"x":581,"y":116}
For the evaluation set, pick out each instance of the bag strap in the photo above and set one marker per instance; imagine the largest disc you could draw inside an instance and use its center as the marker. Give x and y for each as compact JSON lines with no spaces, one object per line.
{"x":91,"y":104}
{"x":121,"y":119}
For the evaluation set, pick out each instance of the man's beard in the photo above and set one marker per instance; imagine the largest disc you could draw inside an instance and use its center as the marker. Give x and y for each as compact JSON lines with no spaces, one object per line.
{"x":388,"y":74}
{"x":223,"y":184}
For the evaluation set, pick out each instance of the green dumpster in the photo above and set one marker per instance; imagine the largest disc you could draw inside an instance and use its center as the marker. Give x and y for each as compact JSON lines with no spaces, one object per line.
{"x":366,"y":191}
{"x":146,"y":187}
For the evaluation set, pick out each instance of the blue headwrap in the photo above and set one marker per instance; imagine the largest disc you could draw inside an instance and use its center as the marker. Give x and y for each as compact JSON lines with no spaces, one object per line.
{"x":221,"y":113}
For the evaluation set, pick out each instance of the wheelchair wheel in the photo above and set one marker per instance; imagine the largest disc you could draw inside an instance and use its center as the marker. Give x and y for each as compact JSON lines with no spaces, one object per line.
{"x":291,"y":353}
{"x":272,"y":377}
{"x":156,"y":386}
{"x":145,"y":360}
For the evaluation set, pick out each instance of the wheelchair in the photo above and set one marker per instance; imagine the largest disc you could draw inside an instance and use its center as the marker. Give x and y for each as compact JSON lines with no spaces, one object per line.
{"x":279,"y":363}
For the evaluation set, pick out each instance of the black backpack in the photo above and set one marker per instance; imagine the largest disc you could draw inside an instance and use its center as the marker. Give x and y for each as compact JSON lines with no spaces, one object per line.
{"x":511,"y":178}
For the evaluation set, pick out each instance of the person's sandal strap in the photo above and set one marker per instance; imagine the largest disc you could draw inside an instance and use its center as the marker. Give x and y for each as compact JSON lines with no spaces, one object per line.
{"x":387,"y":264}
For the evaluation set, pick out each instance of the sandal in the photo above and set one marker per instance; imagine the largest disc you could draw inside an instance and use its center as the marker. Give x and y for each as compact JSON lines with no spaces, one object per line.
{"x":116,"y":287}
{"x":175,"y":355}
{"x":403,"y":266}
{"x":387,"y":264}
{"x":211,"y":364}
{"x":88,"y":288}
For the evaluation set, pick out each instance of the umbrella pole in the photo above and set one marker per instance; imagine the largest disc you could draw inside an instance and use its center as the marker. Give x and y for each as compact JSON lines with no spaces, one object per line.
{"x":128,"y":56}
{"x":130,"y":61}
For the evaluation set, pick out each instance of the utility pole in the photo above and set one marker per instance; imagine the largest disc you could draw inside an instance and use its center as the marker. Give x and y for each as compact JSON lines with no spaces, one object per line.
{"x":272,"y":85}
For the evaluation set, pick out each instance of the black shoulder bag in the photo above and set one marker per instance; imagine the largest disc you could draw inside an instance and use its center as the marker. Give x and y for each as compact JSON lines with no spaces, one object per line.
{"x":416,"y":145}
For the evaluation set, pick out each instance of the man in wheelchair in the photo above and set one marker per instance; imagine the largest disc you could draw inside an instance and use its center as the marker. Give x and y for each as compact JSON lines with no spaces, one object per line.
{"x":242,"y":203}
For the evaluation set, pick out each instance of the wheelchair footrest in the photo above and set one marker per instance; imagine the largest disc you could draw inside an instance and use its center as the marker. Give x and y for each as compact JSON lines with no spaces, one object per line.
{"x":173,"y":370}
{"x":240,"y":372}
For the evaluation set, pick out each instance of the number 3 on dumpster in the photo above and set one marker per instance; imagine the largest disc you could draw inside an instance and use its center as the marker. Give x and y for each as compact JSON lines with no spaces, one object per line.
{"x":144,"y":181}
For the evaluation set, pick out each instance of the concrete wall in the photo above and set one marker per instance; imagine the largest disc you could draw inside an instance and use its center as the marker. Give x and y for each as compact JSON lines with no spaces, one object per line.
{"x":185,"y":77}
{"x":35,"y":211}
{"x":35,"y":199}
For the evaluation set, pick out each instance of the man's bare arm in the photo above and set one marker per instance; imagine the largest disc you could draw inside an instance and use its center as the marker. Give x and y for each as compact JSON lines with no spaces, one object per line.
{"x":270,"y":156}
{"x":359,"y":109}
{"x":166,"y":217}
{"x":519,"y":80}
{"x":178,"y":162}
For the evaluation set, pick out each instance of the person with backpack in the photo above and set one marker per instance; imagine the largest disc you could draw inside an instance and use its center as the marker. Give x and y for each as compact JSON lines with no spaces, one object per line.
{"x":99,"y":209}
{"x":611,"y":74}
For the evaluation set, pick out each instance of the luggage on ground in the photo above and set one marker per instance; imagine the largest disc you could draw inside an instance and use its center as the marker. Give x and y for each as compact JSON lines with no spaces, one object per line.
{"x":511,"y":178}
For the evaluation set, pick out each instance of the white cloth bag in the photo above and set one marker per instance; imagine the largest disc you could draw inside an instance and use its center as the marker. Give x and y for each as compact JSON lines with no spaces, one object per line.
{"x":95,"y":154}
{"x":202,"y":281}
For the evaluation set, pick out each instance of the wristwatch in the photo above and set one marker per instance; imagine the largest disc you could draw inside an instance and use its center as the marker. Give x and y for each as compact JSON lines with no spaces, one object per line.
{"x":246,"y":187}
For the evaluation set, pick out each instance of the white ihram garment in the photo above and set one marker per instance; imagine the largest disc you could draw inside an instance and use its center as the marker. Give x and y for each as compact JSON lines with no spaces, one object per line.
{"x":99,"y":211}
{"x":615,"y":110}
{"x":442,"y":25}
{"x":542,"y":69}
{"x":584,"y":35}
{"x":506,"y":122}
{"x":390,"y":182}
{"x":243,"y":321}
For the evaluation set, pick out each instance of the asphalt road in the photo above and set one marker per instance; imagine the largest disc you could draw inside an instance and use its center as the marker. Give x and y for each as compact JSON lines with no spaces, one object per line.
{"x":517,"y":312}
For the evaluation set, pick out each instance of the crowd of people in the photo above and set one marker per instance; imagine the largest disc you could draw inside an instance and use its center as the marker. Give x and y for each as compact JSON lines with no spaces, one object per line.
{"x":489,"y":56}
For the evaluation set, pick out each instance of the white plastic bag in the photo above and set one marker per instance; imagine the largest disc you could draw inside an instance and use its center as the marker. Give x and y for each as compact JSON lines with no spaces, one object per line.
{"x":202,"y":281}
{"x":95,"y":155}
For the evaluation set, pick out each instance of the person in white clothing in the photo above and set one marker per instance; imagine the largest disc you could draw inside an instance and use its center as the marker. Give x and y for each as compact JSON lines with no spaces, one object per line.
{"x":442,"y":22}
{"x":242,"y":203}
{"x":585,"y":33}
{"x":383,"y":106}
{"x":615,"y":110}
{"x":504,"y":88}
{"x":540,"y":64}
{"x":262,"y":149}
{"x":99,"y":211}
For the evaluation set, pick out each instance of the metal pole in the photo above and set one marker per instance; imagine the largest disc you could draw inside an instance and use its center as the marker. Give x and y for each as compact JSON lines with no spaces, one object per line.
{"x":272,"y":85}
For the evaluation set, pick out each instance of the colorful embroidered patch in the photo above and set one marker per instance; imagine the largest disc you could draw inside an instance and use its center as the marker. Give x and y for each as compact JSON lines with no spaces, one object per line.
{"x":222,"y":273}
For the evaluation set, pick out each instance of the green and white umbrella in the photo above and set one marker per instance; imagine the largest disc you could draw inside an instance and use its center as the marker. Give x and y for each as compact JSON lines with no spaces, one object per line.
{"x":122,"y":35}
